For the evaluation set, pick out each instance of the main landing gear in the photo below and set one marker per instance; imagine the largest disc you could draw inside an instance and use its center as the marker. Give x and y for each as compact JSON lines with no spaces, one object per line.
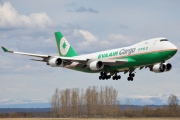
{"x":131,"y":76}
{"x":116,"y":77}
{"x":103,"y":76}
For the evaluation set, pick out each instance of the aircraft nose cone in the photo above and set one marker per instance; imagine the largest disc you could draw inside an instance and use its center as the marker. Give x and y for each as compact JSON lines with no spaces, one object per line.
{"x":174,"y":48}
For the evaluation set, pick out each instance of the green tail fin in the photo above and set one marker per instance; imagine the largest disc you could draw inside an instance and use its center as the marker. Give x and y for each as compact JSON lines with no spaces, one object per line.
{"x":64,"y":47}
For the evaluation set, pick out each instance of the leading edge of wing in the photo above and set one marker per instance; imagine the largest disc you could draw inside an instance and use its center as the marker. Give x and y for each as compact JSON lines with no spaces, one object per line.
{"x":74,"y":59}
{"x":22,"y":53}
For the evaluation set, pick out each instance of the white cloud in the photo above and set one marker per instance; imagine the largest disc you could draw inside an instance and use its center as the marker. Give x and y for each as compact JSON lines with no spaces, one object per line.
{"x":10,"y":18}
{"x":88,"y":41}
{"x":88,"y":38}
{"x":120,"y":38}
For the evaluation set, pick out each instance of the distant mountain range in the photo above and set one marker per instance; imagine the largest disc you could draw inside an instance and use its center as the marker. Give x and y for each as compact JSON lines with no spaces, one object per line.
{"x":160,"y":99}
{"x":25,"y":103}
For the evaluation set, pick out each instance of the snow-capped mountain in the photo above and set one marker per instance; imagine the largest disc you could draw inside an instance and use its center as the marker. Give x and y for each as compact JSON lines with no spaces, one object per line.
{"x":161,"y":99}
{"x":25,"y":103}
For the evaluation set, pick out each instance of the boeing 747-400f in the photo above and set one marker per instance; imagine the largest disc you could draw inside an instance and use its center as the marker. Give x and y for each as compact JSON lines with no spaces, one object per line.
{"x":151,"y":54}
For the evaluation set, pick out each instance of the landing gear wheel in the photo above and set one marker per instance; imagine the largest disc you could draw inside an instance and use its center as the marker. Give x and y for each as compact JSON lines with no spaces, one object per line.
{"x":102,"y":74}
{"x":119,"y":77}
{"x":116,"y":77}
{"x":131,"y":75}
{"x":109,"y":77}
{"x":130,"y":78}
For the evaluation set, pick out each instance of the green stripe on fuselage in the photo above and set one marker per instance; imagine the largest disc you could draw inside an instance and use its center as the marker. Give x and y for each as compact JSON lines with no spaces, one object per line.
{"x":146,"y":59}
{"x":138,"y":60}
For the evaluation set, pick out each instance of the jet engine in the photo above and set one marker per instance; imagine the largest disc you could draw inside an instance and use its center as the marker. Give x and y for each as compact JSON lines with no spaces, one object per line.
{"x":96,"y":65}
{"x":55,"y":62}
{"x":168,"y":66}
{"x":158,"y":68}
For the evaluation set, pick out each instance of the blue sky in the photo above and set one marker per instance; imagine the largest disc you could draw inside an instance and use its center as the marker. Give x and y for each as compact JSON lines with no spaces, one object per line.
{"x":89,"y":26}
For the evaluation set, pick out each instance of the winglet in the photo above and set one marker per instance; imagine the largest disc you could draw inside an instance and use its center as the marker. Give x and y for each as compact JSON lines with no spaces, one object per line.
{"x":4,"y":49}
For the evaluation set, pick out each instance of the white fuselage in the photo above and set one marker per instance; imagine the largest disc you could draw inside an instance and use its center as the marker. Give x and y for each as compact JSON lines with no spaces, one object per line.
{"x":145,"y":46}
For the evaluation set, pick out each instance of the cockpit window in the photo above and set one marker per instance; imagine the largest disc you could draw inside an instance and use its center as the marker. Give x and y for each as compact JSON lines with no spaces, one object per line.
{"x":163,"y":40}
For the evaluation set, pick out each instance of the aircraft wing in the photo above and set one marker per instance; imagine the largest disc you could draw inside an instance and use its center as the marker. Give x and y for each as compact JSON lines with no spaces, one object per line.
{"x":28,"y":54}
{"x":46,"y":57}
{"x":82,"y":61}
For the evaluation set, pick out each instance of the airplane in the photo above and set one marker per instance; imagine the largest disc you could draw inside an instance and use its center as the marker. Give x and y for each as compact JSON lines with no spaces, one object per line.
{"x":152,"y":54}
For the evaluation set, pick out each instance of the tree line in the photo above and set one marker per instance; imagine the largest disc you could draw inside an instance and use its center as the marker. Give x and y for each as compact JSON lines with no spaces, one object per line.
{"x":92,"y":102}
{"x":96,"y":102}
{"x":103,"y":102}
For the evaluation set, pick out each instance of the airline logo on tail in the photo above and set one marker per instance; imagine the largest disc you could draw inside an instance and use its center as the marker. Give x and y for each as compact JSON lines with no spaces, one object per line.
{"x":64,"y":46}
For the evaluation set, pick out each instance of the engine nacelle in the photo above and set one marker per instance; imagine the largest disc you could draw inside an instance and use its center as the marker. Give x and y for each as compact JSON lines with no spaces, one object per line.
{"x":55,"y":62}
{"x":168,"y":66}
{"x":158,"y":68}
{"x":96,"y":65}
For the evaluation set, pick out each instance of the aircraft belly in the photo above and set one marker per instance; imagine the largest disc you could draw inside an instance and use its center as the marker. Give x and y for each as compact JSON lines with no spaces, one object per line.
{"x":133,"y":61}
